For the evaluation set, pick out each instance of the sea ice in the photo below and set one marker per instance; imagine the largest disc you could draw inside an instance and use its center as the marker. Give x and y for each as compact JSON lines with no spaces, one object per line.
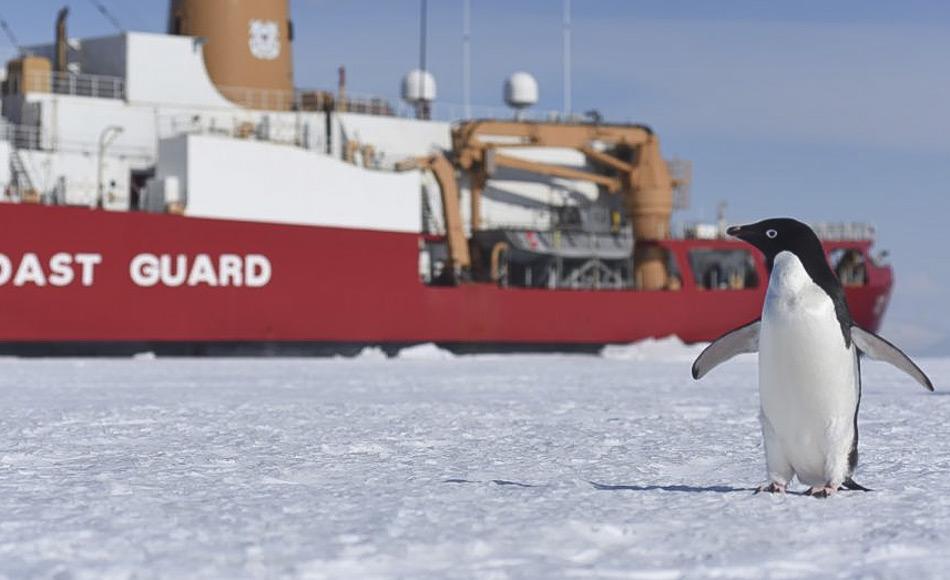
{"x":469,"y":467}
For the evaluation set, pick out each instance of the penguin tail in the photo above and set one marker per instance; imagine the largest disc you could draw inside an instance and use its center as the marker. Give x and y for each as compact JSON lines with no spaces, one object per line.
{"x":852,"y":485}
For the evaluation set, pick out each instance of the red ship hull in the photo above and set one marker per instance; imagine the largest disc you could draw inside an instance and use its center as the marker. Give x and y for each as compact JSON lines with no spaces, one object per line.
{"x":326,"y":285}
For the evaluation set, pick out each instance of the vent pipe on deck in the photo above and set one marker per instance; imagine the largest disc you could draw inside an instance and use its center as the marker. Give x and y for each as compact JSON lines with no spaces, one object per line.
{"x":62,"y":48}
{"x":341,"y":89}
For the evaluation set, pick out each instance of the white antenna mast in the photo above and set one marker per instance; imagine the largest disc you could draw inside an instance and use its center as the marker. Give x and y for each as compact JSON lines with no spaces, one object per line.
{"x":567,"y":57}
{"x":422,"y":106}
{"x":467,"y":58}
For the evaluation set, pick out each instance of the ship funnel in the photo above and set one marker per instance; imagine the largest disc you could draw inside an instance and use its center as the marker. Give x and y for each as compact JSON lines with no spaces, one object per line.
{"x":521,"y":91}
{"x":247,"y":47}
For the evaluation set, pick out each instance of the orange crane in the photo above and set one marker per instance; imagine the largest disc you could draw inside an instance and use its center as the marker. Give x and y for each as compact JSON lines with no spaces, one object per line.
{"x":627,"y":157}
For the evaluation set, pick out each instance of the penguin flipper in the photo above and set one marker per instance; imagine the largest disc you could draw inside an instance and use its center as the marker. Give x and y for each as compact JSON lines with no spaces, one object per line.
{"x":877,"y":348}
{"x":739,"y":341}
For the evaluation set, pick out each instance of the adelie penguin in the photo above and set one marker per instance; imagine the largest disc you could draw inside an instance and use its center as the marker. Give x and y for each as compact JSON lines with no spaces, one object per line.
{"x":809,"y":370}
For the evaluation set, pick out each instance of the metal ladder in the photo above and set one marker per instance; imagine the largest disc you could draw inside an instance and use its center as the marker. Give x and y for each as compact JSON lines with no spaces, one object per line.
{"x":21,"y":177}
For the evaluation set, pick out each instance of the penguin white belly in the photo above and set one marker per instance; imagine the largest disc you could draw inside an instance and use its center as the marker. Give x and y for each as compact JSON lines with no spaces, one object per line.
{"x":808,"y":380}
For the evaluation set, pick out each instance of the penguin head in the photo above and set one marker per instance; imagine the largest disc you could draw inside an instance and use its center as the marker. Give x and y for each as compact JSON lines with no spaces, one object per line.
{"x":776,"y":235}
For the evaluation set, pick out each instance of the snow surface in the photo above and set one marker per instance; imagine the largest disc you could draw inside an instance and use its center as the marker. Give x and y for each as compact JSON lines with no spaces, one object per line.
{"x":433,"y":467}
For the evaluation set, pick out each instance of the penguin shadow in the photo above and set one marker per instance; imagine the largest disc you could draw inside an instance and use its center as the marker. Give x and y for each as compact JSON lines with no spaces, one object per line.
{"x":608,"y":487}
{"x":702,"y":489}
{"x":673,"y":488}
{"x":499,"y":482}
{"x":641,"y":488}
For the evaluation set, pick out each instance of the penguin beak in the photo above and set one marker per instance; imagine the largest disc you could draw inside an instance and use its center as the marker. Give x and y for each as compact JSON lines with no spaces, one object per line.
{"x":738,"y":231}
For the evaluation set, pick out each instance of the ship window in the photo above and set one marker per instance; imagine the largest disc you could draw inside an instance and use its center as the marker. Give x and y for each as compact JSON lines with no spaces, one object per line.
{"x":849,"y":266}
{"x":723,"y":269}
{"x":675,"y":279}
{"x":434,"y":269}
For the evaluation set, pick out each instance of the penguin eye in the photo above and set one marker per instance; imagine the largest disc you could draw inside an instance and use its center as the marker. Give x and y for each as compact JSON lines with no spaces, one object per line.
{"x":771,"y":234}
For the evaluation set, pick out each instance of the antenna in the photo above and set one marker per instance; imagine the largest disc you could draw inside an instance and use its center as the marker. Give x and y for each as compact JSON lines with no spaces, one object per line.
{"x":521,"y":92}
{"x":422,"y":36}
{"x":566,"y":62}
{"x":107,"y":15}
{"x":422,"y":106}
{"x":8,"y":32}
{"x":467,"y":58}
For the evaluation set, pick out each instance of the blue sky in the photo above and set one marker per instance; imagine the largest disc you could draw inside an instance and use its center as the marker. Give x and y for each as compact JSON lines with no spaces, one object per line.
{"x":814,"y":109}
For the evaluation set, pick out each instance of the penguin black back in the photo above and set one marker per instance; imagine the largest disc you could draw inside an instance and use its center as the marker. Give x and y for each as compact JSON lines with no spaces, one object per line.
{"x":773,"y":236}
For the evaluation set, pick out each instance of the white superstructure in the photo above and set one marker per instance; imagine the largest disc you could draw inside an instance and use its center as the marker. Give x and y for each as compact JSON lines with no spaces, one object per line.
{"x":135,"y":122}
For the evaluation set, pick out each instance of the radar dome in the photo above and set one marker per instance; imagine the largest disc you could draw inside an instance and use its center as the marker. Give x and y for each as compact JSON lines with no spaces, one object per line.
{"x":418,"y":86}
{"x":521,"y":90}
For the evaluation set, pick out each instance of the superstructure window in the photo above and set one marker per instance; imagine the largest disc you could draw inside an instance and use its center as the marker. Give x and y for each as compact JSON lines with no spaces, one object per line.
{"x":723,"y":269}
{"x":849,"y":265}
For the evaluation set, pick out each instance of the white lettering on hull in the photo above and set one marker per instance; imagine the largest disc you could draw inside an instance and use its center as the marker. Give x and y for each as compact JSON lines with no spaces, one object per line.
{"x":29,"y":272}
{"x":252,"y":270}
{"x":145,"y":270}
{"x":88,"y":262}
{"x":258,"y":270}
{"x":59,"y":270}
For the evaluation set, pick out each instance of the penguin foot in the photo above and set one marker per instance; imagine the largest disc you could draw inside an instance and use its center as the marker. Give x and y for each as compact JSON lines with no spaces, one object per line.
{"x":773,"y":487}
{"x":852,"y":485}
{"x":821,"y":492}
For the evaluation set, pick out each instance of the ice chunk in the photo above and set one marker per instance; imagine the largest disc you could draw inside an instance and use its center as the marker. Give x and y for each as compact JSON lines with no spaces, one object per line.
{"x":669,"y":348}
{"x":425,"y":351}
{"x":371,"y":353}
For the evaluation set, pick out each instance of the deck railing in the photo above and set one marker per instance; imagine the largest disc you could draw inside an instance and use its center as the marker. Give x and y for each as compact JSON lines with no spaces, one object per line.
{"x":848,"y":231}
{"x":110,"y":87}
{"x":21,"y":136}
{"x":80,"y":85}
{"x":35,"y":138}
{"x":313,"y":100}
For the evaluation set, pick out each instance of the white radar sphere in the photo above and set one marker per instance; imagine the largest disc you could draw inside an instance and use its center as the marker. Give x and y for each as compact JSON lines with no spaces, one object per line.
{"x":418,"y":86}
{"x":521,"y":90}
